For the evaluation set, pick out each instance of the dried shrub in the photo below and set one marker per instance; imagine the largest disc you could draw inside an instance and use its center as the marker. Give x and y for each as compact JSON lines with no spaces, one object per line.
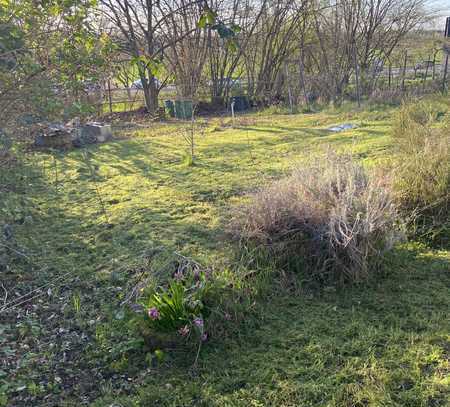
{"x":386,"y":96}
{"x":328,"y":218}
{"x":421,"y":176}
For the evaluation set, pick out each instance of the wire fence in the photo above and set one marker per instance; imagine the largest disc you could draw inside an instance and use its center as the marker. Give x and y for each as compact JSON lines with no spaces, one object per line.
{"x":384,"y":82}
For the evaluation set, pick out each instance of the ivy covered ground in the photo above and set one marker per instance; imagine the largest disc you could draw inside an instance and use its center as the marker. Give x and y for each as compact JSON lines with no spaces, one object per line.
{"x":77,"y":230}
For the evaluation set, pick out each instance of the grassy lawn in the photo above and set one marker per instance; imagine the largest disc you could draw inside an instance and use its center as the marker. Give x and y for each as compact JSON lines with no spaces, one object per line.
{"x":87,"y":216}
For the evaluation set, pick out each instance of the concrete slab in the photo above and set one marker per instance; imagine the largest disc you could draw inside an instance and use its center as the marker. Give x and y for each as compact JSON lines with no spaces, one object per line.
{"x":98,"y":131}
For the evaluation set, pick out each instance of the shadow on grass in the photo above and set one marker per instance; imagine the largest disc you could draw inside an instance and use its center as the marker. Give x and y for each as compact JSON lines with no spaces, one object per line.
{"x":381,"y":344}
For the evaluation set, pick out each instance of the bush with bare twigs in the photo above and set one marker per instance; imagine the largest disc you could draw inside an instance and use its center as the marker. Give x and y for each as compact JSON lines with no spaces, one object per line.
{"x":329,"y":219}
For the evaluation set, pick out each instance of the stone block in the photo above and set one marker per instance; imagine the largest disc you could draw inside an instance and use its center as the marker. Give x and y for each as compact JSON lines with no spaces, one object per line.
{"x":96,"y":131}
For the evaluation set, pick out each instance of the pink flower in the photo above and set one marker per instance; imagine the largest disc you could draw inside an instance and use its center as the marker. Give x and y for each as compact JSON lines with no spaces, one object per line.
{"x":203,"y":336}
{"x":198,"y":322}
{"x":153,"y":313}
{"x":184,"y":331}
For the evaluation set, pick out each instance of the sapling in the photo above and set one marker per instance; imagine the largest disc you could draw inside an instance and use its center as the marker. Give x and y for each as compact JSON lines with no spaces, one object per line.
{"x":189,"y":137}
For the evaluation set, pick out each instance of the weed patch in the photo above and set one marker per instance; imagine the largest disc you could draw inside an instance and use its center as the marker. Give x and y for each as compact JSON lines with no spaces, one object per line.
{"x":421,"y":173}
{"x":329,"y":219}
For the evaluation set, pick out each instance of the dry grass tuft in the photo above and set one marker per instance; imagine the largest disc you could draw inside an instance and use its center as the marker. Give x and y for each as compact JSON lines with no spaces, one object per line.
{"x":421,"y":177}
{"x":329,"y":218}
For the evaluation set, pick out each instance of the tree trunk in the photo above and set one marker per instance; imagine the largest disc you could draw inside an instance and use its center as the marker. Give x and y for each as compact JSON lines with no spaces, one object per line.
{"x":151,"y":92}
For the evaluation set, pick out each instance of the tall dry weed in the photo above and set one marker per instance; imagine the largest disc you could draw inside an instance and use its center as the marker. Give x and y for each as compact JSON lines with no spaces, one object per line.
{"x":329,"y":218}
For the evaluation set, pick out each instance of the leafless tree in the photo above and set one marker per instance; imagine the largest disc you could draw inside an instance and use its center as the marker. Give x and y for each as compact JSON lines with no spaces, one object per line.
{"x":383,"y":24}
{"x":185,"y":57}
{"x":142,"y":31}
{"x":371,"y":29}
{"x":275,"y":39}
{"x":224,"y":61}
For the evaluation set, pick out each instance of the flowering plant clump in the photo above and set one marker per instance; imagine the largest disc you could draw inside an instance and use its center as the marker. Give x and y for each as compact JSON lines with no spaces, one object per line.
{"x":180,"y":306}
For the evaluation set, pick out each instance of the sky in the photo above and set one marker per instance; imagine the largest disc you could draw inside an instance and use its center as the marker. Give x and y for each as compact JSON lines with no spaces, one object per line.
{"x":441,"y":3}
{"x":443,"y":6}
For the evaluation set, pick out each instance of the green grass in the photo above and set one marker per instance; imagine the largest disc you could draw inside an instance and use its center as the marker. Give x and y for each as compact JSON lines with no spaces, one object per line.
{"x":93,"y":215}
{"x":378,"y":346}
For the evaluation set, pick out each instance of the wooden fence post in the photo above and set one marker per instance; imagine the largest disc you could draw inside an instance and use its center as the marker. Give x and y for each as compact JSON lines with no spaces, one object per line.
{"x":404,"y":70}
{"x":426,"y":73}
{"x":434,"y":66}
{"x":444,"y":77}
{"x":109,"y":96}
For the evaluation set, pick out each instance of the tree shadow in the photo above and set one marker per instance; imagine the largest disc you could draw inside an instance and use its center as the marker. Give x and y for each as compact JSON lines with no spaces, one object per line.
{"x":385,"y":340}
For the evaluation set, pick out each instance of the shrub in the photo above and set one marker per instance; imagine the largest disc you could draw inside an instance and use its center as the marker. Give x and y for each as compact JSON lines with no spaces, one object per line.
{"x":173,"y":300}
{"x":386,"y":96}
{"x":329,"y":218}
{"x":421,"y":174}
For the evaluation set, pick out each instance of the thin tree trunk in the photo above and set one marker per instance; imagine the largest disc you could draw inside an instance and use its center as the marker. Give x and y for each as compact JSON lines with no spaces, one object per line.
{"x":390,"y":75}
{"x":404,"y":71}
{"x":109,"y":96}
{"x":358,"y":90}
{"x":302,"y":80}
{"x":288,"y":83}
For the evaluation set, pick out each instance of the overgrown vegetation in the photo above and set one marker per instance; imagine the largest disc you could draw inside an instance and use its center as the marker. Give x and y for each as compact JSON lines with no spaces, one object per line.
{"x":329,"y":219}
{"x":120,"y":284}
{"x":83,"y":291}
{"x":60,"y":60}
{"x":50,"y":61}
{"x":421,"y":177}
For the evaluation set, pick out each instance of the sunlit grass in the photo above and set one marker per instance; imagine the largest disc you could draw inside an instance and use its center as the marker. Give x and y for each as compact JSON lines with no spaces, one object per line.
{"x":382,"y":345}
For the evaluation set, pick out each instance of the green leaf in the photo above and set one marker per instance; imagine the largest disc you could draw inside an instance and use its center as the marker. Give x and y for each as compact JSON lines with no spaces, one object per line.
{"x":159,"y":355}
{"x":208,"y":18}
{"x":236,"y":29}
{"x":232,"y":46}
{"x":203,"y":21}
{"x":211,"y":16}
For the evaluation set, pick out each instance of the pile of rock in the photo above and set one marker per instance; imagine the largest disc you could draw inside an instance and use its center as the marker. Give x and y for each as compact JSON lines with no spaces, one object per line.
{"x":60,"y":136}
{"x":54,"y":136}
